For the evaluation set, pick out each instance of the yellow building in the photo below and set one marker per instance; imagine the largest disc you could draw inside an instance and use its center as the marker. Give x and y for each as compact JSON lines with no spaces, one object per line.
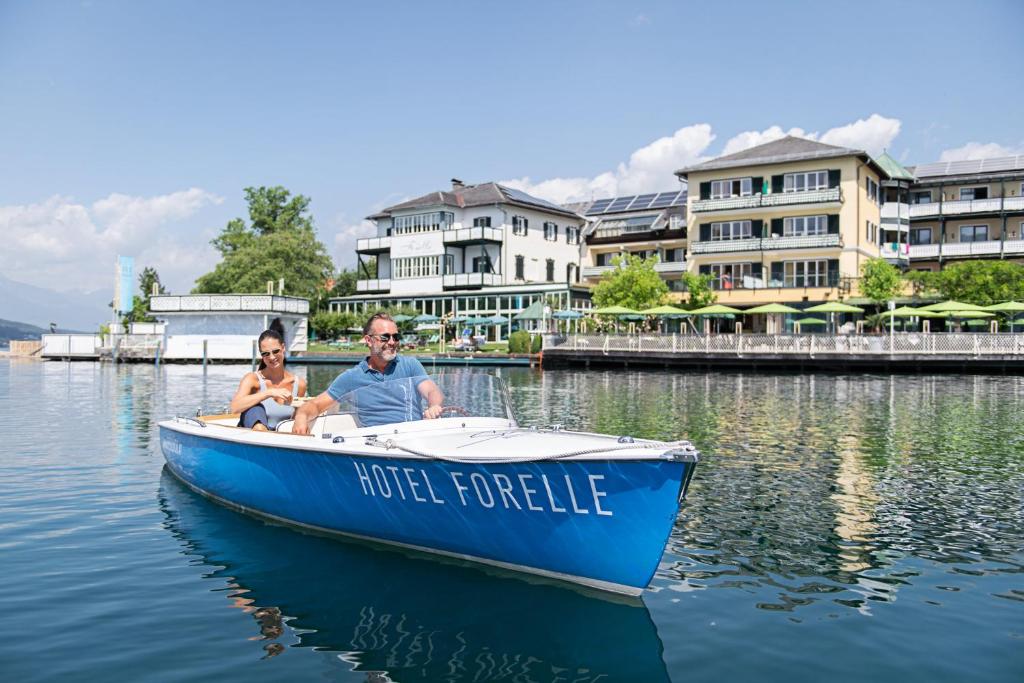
{"x":789,"y":221}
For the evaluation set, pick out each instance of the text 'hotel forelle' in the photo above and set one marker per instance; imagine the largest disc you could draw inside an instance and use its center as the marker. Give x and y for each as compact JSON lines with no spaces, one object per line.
{"x":487,"y":489}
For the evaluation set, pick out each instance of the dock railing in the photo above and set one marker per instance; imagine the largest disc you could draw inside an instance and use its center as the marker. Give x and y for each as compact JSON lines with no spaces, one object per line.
{"x":810,"y":345}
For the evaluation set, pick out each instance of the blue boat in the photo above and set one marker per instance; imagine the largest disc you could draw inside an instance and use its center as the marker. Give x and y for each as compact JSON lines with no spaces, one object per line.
{"x":586,"y":508}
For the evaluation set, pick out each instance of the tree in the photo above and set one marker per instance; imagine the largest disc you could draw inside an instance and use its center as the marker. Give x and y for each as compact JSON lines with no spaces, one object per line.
{"x":880,"y":281}
{"x":981,"y":282}
{"x":699,"y":292}
{"x":140,"y":304}
{"x":280,"y":242}
{"x":633,"y":283}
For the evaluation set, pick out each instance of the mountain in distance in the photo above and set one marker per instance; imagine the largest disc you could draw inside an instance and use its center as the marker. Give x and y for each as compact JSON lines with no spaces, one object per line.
{"x":13,"y":330}
{"x":40,"y":307}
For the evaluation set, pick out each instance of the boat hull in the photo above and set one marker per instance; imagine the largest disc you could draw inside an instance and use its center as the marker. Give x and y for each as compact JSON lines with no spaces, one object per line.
{"x":598,"y":522}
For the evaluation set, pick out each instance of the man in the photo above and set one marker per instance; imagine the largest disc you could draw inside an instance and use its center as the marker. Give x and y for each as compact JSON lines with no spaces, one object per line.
{"x":383,"y":365}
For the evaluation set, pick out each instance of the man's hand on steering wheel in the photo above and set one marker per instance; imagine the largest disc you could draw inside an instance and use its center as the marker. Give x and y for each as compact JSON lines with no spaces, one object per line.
{"x":432,"y":412}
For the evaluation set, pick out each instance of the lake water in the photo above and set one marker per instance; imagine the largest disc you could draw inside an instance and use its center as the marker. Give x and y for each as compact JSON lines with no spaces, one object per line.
{"x":839,"y":527}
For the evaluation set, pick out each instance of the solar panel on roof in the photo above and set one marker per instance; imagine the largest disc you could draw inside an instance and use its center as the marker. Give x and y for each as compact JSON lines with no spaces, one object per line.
{"x":520,"y":196}
{"x":599,"y":206}
{"x":667,"y":199}
{"x":621,"y":203}
{"x":642,"y":201}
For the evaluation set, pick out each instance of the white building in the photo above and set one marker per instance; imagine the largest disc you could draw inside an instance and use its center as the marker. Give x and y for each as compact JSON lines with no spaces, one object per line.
{"x":477,"y":250}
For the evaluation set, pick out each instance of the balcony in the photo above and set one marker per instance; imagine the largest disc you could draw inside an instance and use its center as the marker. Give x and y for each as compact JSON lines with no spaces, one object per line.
{"x":467,"y":280}
{"x":897,"y":253}
{"x":670,"y":267}
{"x":961,"y":207}
{"x":895,"y":212}
{"x":594,"y":271}
{"x":966,"y":249}
{"x":756,"y":201}
{"x":247,"y":303}
{"x":376,"y":285}
{"x":766,"y":244}
{"x":472,"y":235}
{"x":373,"y":245}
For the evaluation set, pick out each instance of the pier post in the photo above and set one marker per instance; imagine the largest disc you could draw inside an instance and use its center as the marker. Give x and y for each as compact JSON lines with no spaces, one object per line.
{"x":156,"y":358}
{"x":253,"y":354}
{"x":205,"y":341}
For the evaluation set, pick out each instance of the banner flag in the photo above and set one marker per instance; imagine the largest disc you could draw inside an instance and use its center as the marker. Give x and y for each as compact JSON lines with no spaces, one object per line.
{"x":124,"y":291}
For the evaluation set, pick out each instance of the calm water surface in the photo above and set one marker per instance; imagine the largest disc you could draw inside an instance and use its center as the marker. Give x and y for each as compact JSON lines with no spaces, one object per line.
{"x":838,"y":527}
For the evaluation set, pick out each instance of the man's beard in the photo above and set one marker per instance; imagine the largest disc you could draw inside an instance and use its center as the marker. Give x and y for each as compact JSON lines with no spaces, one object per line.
{"x":388,"y":354}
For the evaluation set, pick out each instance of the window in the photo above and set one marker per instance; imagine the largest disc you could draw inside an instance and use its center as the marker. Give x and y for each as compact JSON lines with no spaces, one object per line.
{"x":799,"y":226}
{"x":423,"y":222}
{"x":921,"y":236}
{"x":805,"y":273}
{"x":871,"y":232}
{"x":872,"y":189}
{"x":416,"y":266}
{"x":520,"y":267}
{"x":973,"y":193}
{"x":550,"y":270}
{"x":482,"y":264}
{"x":736,"y":187}
{"x":449,"y":264}
{"x":973,"y":233}
{"x":482,"y":222}
{"x":605,"y":259}
{"x":572,"y":234}
{"x":520,"y":225}
{"x":804,"y":182}
{"x":731,"y":230}
{"x":550,"y":232}
{"x":674,"y":255}
{"x":921,"y":197}
{"x":730,"y":275}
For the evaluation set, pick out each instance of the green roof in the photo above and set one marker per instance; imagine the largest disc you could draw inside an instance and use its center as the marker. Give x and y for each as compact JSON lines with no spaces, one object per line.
{"x":893,"y":168}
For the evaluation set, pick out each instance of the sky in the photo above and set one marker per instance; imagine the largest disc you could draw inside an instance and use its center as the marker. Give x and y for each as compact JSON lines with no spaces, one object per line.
{"x":132,"y":127}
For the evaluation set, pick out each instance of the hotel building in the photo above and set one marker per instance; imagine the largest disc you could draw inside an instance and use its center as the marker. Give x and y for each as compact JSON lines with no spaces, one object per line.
{"x":646,"y":225}
{"x":477,"y":250}
{"x":788,"y":221}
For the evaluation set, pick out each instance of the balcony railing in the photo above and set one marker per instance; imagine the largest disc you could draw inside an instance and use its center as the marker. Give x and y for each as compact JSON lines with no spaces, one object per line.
{"x":373,"y":245}
{"x":595,"y":271}
{"x":895,"y":212}
{"x":832,"y":194}
{"x":966,"y":249}
{"x":468,"y":235}
{"x":666,"y":267}
{"x":375,"y":285}
{"x":766,"y":244}
{"x":967,"y":206}
{"x":895,"y":252}
{"x":458,"y":280}
{"x":228,"y":302}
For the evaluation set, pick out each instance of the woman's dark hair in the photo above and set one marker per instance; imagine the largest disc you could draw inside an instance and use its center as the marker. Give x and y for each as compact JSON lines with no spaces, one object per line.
{"x":276,"y":332}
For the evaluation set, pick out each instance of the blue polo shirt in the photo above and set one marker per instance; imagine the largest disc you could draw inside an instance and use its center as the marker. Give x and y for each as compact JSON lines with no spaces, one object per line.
{"x":394,"y":401}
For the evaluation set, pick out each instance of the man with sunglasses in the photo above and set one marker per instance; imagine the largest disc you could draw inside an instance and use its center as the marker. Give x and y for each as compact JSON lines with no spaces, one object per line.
{"x":384,"y":364}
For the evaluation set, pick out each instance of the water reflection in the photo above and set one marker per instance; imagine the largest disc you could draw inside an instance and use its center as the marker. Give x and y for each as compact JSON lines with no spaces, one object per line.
{"x":402,"y":618}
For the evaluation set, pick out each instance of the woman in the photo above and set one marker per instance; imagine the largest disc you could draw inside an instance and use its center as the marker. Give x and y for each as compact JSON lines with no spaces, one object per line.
{"x":264,"y":397}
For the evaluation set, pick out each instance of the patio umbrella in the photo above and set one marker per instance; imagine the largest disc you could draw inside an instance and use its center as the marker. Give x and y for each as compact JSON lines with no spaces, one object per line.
{"x":401,"y":318}
{"x":1010,"y":308}
{"x":425,"y":318}
{"x":614,"y":310}
{"x":566,"y":315}
{"x":665,"y":311}
{"x":497,"y":320}
{"x":908,"y":312}
{"x":771,"y":308}
{"x":473,"y":322}
{"x":715,"y":309}
{"x":947,"y":306}
{"x":811,"y":321}
{"x":834,"y":307}
{"x":967,"y":314}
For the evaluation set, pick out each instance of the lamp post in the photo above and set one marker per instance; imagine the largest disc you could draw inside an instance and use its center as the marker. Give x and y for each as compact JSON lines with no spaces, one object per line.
{"x":892,"y":324}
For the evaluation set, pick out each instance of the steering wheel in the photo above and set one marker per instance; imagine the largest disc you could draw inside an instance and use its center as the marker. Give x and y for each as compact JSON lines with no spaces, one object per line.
{"x":453,"y":411}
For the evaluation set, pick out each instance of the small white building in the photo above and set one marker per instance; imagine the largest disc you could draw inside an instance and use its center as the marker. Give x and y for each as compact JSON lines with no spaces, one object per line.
{"x":228,"y":324}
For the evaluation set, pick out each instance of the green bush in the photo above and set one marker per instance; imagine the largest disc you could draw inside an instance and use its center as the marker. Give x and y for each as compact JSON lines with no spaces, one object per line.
{"x":519,"y":342}
{"x":537,"y":342}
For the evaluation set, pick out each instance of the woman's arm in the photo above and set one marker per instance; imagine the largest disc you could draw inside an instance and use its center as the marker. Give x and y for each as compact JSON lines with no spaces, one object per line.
{"x":249,"y":394}
{"x":302,"y":387}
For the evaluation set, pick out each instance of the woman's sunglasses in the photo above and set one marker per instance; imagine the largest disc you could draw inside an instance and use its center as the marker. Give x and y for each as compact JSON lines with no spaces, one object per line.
{"x":396,"y":336}
{"x":272,"y":352}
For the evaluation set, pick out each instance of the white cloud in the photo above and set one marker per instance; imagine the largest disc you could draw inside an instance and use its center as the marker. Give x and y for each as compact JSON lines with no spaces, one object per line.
{"x":649,"y":169}
{"x":343,"y":246}
{"x":873,"y":135}
{"x":979,"y":150}
{"x":65,"y":245}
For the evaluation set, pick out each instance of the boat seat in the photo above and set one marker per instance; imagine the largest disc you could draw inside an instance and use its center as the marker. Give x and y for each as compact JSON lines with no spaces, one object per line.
{"x":324,"y":424}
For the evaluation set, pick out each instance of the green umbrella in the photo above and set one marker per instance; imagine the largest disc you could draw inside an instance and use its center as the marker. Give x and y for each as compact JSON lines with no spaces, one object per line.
{"x":401,"y":318}
{"x":497,"y":320}
{"x":1011,"y":308}
{"x":566,"y":315}
{"x":811,"y":321}
{"x":426,"y":318}
{"x":908,"y":312}
{"x":834,"y":307}
{"x":614,"y":310}
{"x":947,"y":306}
{"x":715,"y":309}
{"x":977,"y":323}
{"x":771,"y":308}
{"x":472,"y":322}
{"x":665,"y":311}
{"x":967,"y":314}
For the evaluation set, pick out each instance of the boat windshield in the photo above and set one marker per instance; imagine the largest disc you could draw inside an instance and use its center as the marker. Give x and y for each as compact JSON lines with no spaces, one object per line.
{"x":464,"y":394}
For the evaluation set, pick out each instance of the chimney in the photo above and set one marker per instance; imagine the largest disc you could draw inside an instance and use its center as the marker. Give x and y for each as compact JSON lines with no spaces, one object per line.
{"x":458,"y":184}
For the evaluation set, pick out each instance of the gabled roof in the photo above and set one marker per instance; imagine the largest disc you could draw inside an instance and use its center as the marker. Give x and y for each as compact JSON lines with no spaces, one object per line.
{"x":483,"y":194}
{"x":780,"y":151}
{"x":973,"y":167}
{"x":893,"y":168}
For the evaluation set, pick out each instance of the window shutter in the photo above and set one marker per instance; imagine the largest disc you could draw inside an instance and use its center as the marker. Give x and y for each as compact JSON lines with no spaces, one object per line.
{"x":833,"y":178}
{"x":777,"y":183}
{"x":704,"y":270}
{"x":705,"y":190}
{"x":833,"y":272}
{"x":777,"y":226}
{"x":757,"y":184}
{"x":833,"y":224}
{"x":757,"y":228}
{"x":778,"y":273}
{"x":705,"y":232}
{"x":755,"y":270}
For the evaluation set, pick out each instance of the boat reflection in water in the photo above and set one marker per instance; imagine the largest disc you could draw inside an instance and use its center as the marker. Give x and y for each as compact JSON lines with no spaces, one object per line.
{"x":409,"y":618}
